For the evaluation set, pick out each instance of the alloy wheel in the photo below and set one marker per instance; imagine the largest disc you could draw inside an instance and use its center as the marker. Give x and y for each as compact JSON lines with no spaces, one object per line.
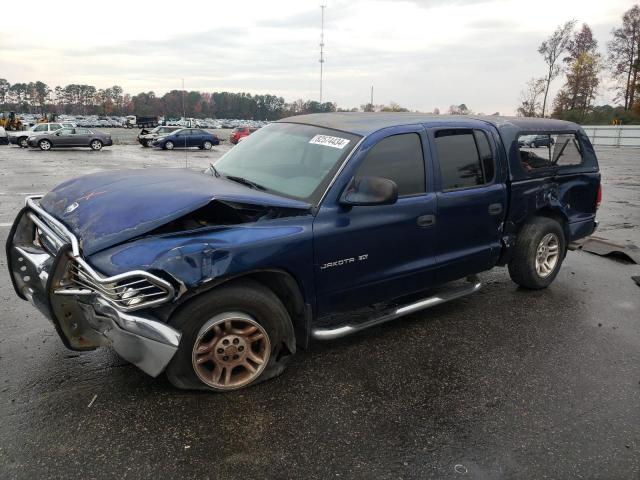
{"x":547,"y":255}
{"x":231,"y":350}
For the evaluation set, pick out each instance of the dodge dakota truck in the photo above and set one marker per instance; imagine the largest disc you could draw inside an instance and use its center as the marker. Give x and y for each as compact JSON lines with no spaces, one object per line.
{"x":313,"y":228}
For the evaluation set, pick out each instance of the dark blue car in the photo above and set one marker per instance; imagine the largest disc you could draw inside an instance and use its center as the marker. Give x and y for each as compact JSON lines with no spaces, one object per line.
{"x":313,"y":228}
{"x":187,"y":138}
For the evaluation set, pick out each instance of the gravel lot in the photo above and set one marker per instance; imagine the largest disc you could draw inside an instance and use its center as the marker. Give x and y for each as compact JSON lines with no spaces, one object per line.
{"x":503,"y":384}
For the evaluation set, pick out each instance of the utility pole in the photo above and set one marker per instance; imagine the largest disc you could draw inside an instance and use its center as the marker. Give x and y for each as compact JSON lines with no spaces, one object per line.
{"x":322,"y":7}
{"x":371,"y":103}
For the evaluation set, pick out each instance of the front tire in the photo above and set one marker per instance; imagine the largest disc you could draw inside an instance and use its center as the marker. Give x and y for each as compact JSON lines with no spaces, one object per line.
{"x":232,"y":337}
{"x":22,"y":141}
{"x":44,"y":145}
{"x":169,"y":146}
{"x":539,"y":252}
{"x":95,"y":145}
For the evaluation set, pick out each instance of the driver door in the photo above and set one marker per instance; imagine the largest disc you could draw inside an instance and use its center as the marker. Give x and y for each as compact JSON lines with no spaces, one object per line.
{"x":369,"y":254}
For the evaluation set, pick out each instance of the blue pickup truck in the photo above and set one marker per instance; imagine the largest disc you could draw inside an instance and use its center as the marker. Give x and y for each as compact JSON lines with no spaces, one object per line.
{"x":315,"y":227}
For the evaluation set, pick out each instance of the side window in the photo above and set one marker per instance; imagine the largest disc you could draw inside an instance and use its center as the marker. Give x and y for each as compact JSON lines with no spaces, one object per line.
{"x":54,"y":126}
{"x":464,"y":155}
{"x":565,"y":150}
{"x":546,"y":150}
{"x":66,"y":131}
{"x":398,"y":158}
{"x":486,"y":155}
{"x":82,"y":131}
{"x":40,"y":128}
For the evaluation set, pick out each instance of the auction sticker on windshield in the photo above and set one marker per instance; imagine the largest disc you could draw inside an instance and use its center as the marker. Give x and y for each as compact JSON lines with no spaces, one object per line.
{"x":328,"y":141}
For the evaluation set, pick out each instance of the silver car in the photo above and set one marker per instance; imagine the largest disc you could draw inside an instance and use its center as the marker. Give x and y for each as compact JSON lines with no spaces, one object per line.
{"x":71,"y":137}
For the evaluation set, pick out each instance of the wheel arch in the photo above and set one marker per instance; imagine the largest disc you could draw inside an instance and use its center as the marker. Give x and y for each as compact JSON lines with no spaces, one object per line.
{"x":554,"y":214}
{"x":284,"y":286}
{"x":547,"y":211}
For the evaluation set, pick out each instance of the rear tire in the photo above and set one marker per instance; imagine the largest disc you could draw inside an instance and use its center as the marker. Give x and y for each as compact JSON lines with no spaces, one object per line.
{"x":207,"y":145}
{"x":203,"y":361}
{"x":539,"y":251}
{"x":95,"y":145}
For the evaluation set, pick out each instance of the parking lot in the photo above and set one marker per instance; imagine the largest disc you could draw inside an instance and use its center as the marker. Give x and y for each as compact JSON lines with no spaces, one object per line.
{"x":506,"y":383}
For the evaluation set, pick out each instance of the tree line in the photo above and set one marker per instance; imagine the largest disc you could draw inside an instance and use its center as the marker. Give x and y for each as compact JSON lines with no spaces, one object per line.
{"x":38,"y":98}
{"x":573,"y":54}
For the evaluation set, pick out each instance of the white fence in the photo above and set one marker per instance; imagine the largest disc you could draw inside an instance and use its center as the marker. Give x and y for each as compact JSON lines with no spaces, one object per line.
{"x":611,"y":136}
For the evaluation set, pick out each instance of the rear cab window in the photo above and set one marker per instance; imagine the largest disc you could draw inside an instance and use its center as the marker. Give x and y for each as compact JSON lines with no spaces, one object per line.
{"x":542,"y":151}
{"x":465,"y":157}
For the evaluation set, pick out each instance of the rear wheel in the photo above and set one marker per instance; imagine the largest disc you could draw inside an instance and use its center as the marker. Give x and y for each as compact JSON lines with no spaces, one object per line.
{"x":207,"y":145}
{"x":95,"y":144}
{"x":538,"y":255}
{"x":232,"y":337}
{"x":44,"y":145}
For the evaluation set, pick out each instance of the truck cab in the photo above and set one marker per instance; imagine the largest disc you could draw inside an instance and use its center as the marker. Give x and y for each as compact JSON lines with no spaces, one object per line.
{"x":313,"y":228}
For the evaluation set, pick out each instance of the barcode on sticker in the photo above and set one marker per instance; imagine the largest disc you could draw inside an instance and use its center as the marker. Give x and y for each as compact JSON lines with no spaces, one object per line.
{"x":328,"y":141}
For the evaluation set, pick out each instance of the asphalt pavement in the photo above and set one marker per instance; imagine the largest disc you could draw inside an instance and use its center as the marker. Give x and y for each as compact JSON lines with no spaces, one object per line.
{"x":506,"y":383}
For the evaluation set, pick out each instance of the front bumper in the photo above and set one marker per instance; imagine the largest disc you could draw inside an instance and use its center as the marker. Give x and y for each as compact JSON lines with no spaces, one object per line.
{"x":39,"y":252}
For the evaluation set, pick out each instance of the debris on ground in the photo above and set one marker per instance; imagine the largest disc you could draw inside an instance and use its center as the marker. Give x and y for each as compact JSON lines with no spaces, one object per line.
{"x":604,"y":247}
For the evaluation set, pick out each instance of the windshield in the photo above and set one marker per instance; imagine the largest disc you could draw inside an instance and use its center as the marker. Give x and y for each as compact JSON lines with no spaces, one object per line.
{"x":289,"y":159}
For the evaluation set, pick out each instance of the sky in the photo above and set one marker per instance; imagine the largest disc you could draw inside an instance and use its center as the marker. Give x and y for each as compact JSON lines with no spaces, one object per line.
{"x":421,"y":54}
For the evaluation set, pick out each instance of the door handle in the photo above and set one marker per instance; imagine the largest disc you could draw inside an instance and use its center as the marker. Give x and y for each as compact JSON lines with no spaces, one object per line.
{"x":495,"y":209}
{"x":426,"y":220}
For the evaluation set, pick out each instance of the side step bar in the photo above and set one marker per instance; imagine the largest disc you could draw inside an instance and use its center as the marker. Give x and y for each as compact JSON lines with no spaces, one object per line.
{"x":442,"y":297}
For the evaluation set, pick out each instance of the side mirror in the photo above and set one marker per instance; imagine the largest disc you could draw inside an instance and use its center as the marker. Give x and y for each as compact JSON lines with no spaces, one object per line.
{"x":370,"y":191}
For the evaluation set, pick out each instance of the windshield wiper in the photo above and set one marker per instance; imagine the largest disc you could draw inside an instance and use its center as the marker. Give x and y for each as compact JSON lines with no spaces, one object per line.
{"x":214,"y":170}
{"x":244,"y":181}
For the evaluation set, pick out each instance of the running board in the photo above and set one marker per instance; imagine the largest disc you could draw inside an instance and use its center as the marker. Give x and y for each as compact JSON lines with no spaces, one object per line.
{"x":442,"y":297}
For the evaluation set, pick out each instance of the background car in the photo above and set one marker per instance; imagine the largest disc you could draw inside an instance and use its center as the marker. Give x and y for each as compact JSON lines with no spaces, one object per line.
{"x":534,"y":141}
{"x":71,"y":137}
{"x":20,"y":138}
{"x":239,"y":133}
{"x":186,"y":138}
{"x":147,"y":137}
{"x":4,"y":138}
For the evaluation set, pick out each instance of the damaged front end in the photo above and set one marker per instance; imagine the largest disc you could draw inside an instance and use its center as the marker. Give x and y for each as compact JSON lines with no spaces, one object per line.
{"x":88,"y":309}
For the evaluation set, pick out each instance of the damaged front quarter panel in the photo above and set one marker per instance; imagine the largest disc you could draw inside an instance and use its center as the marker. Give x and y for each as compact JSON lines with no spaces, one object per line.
{"x":218,"y":241}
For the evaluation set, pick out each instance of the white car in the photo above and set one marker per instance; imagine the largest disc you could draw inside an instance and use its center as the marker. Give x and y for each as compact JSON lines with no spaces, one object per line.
{"x":20,"y":138}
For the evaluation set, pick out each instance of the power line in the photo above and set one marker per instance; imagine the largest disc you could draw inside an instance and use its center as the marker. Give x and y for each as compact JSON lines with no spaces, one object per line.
{"x":322,"y":7}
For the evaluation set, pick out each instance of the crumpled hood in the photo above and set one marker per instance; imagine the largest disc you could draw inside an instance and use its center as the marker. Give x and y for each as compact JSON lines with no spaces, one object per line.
{"x":107,"y":208}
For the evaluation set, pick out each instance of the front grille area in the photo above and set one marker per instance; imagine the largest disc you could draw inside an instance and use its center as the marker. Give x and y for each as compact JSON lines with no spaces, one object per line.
{"x":128,"y":291}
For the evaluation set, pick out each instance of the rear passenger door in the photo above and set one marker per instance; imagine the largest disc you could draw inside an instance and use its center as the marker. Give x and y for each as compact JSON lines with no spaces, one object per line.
{"x":195,"y":138}
{"x":471,"y":203}
{"x":82,"y":137}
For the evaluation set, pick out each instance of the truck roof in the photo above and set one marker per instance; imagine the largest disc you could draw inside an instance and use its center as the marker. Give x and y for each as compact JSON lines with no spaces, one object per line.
{"x":366,"y":123}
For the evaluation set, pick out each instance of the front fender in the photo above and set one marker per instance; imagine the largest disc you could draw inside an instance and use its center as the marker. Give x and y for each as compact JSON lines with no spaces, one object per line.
{"x":200,"y":257}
